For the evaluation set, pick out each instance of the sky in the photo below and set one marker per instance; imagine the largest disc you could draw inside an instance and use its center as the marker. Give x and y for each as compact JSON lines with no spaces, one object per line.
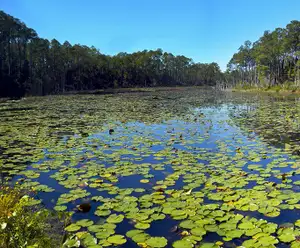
{"x":204,"y":30}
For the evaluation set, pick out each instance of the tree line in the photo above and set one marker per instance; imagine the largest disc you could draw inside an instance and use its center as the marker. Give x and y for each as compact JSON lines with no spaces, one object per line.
{"x":272,"y":60}
{"x":30,"y":65}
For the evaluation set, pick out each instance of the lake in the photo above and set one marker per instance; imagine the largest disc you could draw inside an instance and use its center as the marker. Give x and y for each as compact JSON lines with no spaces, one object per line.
{"x":177,"y":168}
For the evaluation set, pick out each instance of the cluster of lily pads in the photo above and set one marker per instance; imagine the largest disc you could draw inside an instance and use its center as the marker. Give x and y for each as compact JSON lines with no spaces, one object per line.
{"x":170,"y":170}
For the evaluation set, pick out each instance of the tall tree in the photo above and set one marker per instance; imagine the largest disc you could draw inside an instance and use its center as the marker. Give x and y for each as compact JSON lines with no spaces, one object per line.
{"x":33,"y":65}
{"x":272,"y":60}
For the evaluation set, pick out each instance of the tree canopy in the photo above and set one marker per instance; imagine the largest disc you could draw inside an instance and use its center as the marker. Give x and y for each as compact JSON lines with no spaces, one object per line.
{"x":271,"y":60}
{"x":32,"y":65}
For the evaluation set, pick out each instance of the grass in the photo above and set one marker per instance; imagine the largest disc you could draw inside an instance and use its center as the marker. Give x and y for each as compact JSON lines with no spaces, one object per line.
{"x":287,"y":87}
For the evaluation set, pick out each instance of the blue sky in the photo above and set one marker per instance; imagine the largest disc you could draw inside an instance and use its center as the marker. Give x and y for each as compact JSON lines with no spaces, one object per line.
{"x":204,"y":30}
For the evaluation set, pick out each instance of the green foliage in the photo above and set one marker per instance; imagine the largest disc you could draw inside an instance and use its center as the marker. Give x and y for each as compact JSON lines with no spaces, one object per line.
{"x":36,"y":66}
{"x":270,"y":63}
{"x":25,"y":226}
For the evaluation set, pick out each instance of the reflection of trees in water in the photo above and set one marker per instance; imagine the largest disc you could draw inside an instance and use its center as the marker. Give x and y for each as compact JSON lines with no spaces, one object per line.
{"x":276,"y":119}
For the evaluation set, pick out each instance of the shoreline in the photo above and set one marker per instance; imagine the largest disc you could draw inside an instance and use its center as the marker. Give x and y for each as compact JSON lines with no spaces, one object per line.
{"x":117,"y":91}
{"x":263,"y":90}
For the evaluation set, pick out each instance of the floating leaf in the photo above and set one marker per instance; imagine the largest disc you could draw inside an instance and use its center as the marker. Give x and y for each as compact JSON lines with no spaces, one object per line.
{"x":114,"y":218}
{"x":60,"y":208}
{"x":84,"y":223}
{"x":141,"y":225}
{"x":117,"y":239}
{"x":157,"y":242}
{"x":72,"y":228}
{"x":183,"y":244}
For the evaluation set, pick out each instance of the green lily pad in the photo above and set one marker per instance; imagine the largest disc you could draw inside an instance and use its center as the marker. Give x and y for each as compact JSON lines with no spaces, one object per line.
{"x":140,"y":237}
{"x":246,"y":225}
{"x":187,"y":224}
{"x":134,"y":232}
{"x":198,"y":231}
{"x":114,"y":218}
{"x":60,"y":208}
{"x":268,"y":240}
{"x":117,"y":239}
{"x":234,"y":234}
{"x":84,"y":223}
{"x":72,"y":228}
{"x":297,"y":223}
{"x":141,"y":225}
{"x":157,"y":242}
{"x":183,"y":244}
{"x":102,"y":212}
{"x":287,"y":237}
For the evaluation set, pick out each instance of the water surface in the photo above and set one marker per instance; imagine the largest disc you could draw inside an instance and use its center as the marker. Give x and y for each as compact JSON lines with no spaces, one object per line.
{"x":190,"y":165}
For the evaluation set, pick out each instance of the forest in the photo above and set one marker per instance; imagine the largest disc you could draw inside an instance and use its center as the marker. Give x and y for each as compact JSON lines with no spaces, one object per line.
{"x":272,"y":60}
{"x":30,"y":65}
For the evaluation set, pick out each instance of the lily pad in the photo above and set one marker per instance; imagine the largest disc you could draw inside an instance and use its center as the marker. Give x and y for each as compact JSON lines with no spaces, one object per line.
{"x":183,"y":244}
{"x":84,"y":223}
{"x":117,"y":239}
{"x":114,"y":218}
{"x":72,"y":228}
{"x":157,"y":242}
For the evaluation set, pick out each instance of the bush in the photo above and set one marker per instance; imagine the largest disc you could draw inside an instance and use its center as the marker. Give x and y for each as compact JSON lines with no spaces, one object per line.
{"x":25,"y":224}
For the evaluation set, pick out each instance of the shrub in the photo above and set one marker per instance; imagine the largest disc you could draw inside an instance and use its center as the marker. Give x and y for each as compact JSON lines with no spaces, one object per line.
{"x":25,"y":224}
